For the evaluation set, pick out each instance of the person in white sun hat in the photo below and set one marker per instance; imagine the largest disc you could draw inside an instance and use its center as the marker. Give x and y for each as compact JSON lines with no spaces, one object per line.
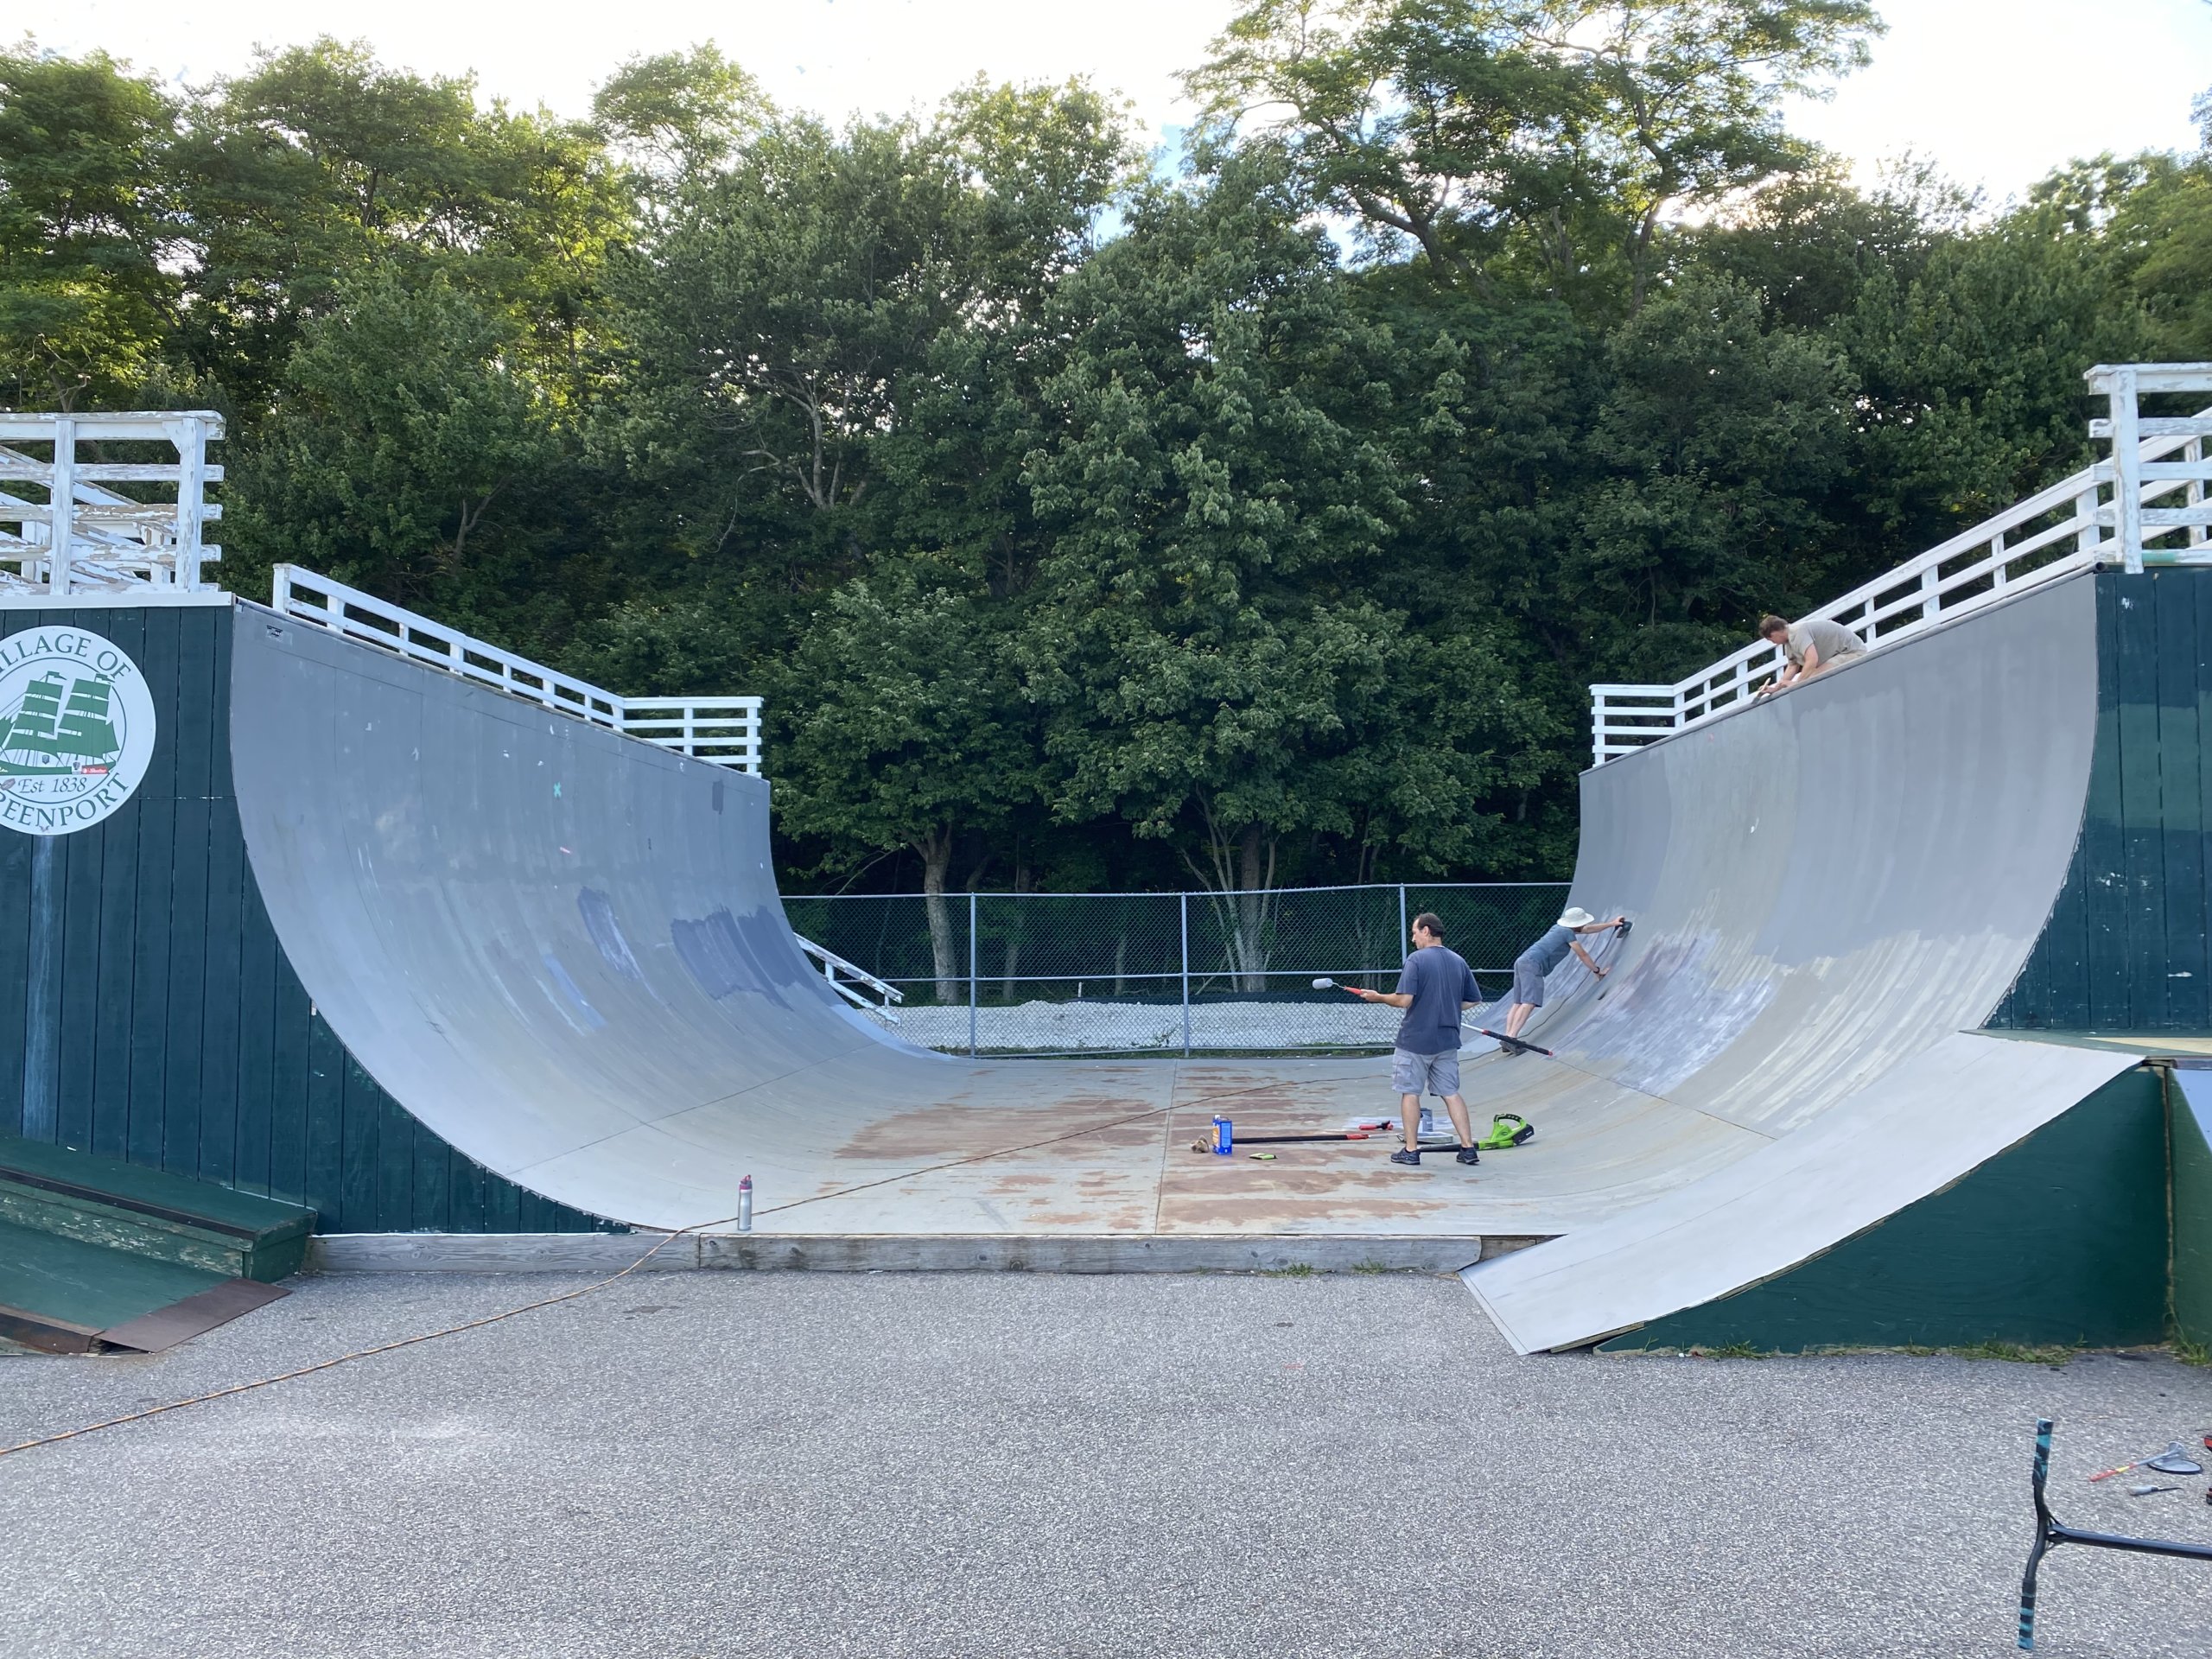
{"x":1532,"y":965}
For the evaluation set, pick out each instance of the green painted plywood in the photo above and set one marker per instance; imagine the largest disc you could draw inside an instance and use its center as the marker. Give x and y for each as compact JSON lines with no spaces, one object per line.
{"x":152,"y":1016}
{"x":59,"y":1278}
{"x":2126,"y":948}
{"x":2061,"y":1239}
{"x":2191,"y":1103}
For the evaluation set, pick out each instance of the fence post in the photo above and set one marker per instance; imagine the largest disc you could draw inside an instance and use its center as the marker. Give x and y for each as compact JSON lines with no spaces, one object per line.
{"x":971,"y":975}
{"x":1402,"y":918}
{"x":1185,"y":901}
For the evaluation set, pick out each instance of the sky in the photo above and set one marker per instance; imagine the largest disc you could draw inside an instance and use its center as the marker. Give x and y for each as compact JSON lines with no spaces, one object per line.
{"x":1996,"y":92}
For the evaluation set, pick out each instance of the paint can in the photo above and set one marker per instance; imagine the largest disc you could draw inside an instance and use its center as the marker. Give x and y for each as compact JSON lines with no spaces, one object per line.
{"x":744,"y":1205}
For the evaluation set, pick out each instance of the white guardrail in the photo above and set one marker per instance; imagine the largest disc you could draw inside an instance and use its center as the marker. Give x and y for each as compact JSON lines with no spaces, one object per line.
{"x":80,"y":536}
{"x":725,"y":731}
{"x":2097,"y":515}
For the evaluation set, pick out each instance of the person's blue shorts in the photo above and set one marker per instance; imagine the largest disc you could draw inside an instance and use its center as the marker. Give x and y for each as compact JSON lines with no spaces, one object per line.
{"x":1527,"y":980}
{"x":1425,"y":1074}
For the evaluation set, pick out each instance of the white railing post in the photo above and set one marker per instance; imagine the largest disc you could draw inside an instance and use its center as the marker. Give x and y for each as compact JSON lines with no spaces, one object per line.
{"x":191,"y":492}
{"x":2127,"y":466}
{"x":62,"y":496}
{"x":2193,"y":453}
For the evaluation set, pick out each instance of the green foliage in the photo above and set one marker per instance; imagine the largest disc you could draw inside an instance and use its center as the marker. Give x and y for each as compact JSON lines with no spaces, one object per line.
{"x":1267,"y":523}
{"x":1554,"y":136}
{"x":1721,"y":437}
{"x":322,"y":165}
{"x":909,"y":724}
{"x":86,"y":214}
{"x":405,"y":439}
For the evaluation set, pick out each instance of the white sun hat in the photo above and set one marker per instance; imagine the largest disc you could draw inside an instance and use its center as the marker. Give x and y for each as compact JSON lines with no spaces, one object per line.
{"x":1577,"y":917}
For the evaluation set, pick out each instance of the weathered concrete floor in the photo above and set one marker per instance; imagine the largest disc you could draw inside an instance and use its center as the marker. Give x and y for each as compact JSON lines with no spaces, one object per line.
{"x":806,"y":1464}
{"x":1115,"y":1156}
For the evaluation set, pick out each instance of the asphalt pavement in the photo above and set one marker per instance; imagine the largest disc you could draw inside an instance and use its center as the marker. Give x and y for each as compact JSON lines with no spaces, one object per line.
{"x":709,"y":1465}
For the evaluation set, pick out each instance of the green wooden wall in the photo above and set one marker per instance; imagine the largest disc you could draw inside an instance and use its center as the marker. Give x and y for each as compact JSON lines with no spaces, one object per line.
{"x":2060,"y":1240}
{"x":2124,"y":948}
{"x":148,"y":1012}
{"x":2189,"y":1103}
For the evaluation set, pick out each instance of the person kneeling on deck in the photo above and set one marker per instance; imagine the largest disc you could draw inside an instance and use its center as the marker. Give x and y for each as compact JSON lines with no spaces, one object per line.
{"x":1813,"y":648}
{"x":1432,"y":987}
{"x":1532,"y":965}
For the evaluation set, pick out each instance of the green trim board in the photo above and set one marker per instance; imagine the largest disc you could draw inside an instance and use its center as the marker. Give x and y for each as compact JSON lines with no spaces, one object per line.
{"x":148,"y":1013}
{"x":2189,"y":1119}
{"x":2126,"y":947}
{"x":2061,"y":1239}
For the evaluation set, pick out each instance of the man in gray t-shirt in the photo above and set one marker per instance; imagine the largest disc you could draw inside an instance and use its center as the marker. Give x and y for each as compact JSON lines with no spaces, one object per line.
{"x":1432,"y":987}
{"x":1812,"y":646}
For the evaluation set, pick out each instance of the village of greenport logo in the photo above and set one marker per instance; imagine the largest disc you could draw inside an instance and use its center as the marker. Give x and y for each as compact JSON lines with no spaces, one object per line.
{"x":76,"y":729}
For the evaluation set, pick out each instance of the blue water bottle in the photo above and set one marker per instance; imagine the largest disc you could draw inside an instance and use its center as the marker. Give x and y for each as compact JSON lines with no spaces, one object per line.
{"x":1223,"y":1137}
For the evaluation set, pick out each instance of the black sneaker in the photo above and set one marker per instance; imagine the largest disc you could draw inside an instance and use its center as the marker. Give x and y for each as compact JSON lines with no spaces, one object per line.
{"x":1469,"y":1155}
{"x":1405,"y":1157}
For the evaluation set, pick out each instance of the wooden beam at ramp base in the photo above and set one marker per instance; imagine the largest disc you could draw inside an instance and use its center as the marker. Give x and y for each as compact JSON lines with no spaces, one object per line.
{"x":906,"y":1253}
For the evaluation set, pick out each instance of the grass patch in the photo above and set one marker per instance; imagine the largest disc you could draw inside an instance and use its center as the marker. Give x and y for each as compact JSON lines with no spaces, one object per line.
{"x":2015,"y":1353}
{"x":1298,"y":1270}
{"x":1370,"y":1266}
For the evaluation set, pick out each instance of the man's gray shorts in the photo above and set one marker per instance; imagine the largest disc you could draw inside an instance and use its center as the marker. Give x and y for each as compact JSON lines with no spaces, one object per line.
{"x":1425,"y":1074}
{"x":1527,"y":982}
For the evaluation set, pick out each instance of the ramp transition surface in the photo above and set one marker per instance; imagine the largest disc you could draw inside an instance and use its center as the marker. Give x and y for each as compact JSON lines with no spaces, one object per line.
{"x":563,"y":950}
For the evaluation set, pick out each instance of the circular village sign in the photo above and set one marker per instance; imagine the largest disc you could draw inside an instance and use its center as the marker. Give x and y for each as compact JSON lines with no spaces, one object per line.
{"x":76,"y":729}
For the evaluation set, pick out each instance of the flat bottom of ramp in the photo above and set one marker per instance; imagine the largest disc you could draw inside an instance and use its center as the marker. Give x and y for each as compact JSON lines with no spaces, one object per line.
{"x":904,"y":1253}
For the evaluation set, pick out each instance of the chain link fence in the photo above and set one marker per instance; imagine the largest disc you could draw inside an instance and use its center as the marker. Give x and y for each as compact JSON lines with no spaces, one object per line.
{"x":1162,"y":973}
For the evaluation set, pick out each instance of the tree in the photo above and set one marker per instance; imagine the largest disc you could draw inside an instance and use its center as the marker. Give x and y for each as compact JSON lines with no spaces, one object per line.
{"x":676,"y":117}
{"x":322,"y":165}
{"x":1215,"y":674}
{"x":908,"y":729}
{"x":1568,"y":131}
{"x":404,"y":454}
{"x":770,"y":323}
{"x":1722,"y":437}
{"x":86,"y":221}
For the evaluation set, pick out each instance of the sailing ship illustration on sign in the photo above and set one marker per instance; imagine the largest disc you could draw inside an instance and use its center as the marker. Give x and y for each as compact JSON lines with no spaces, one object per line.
{"x":76,"y":729}
{"x":62,"y":726}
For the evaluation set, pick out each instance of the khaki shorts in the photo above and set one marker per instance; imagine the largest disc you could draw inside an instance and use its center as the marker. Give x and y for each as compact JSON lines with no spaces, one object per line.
{"x":1425,"y":1074}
